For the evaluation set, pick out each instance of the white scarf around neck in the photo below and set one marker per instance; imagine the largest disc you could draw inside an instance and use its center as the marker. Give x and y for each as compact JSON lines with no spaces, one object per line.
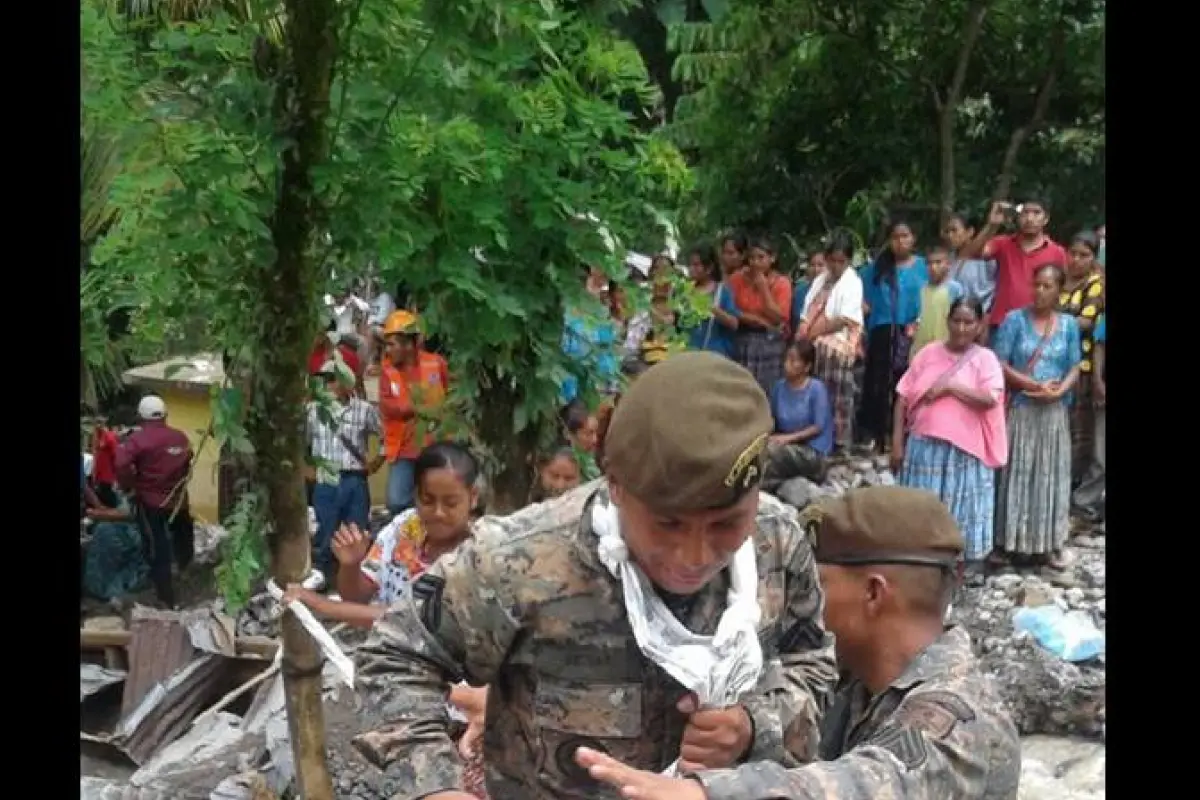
{"x":718,"y":668}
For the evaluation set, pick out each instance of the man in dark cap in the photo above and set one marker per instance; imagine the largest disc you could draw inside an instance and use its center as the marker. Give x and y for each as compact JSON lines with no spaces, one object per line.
{"x":918,"y":720}
{"x":535,"y":607}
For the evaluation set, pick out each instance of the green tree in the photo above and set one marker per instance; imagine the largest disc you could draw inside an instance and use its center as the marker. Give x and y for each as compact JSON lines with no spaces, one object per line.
{"x":478,"y":152}
{"x":804,"y":114}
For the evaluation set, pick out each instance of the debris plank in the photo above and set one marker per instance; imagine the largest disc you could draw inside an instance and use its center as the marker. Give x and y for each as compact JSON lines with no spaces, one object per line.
{"x":247,"y":646}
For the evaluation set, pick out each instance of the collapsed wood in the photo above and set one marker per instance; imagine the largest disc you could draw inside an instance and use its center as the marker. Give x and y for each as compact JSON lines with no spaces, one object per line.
{"x":247,"y":646}
{"x":179,"y":663}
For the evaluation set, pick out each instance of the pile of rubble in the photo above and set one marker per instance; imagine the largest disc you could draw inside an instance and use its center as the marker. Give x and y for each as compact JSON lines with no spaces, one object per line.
{"x":1045,"y":694}
{"x":192,"y":708}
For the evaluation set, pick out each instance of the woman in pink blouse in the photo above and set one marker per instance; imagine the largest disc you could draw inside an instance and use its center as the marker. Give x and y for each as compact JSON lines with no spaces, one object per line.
{"x":948,"y":432}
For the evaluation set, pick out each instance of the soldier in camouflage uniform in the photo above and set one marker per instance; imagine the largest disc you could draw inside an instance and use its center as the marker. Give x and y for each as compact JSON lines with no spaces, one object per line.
{"x":918,"y":720}
{"x":528,"y":608}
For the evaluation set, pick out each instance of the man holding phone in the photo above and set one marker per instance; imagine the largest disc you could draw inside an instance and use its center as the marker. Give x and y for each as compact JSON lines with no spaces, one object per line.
{"x":1018,"y":256}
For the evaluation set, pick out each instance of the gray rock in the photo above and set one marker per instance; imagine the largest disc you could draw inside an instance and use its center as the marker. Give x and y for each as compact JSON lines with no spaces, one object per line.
{"x":1055,"y":768}
{"x":799,"y":492}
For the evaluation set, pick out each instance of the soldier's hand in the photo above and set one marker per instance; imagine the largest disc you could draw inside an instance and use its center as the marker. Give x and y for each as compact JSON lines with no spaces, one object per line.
{"x":714,"y":737}
{"x":636,"y":784}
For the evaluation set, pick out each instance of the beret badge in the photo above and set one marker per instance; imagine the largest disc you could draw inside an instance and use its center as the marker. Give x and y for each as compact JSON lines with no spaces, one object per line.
{"x":745,"y":469}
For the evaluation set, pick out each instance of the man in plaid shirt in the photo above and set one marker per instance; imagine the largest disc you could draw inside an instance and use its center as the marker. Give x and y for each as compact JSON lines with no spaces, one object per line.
{"x":337,"y":444}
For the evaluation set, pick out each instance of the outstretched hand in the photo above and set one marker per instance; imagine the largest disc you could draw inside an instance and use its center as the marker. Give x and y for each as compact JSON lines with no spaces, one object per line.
{"x":636,"y":784}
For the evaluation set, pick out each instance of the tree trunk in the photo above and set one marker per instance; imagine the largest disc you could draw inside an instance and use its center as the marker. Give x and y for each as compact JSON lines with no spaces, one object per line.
{"x":1008,"y":167}
{"x":287,"y":288}
{"x":948,"y":105}
{"x":517,"y":452}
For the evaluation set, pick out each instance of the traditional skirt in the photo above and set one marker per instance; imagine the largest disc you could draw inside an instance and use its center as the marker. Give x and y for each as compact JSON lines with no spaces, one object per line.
{"x":761,"y":352}
{"x":1033,"y":493}
{"x":963,"y":482}
{"x":1083,"y":429}
{"x":835,"y":368}
{"x":887,"y":359}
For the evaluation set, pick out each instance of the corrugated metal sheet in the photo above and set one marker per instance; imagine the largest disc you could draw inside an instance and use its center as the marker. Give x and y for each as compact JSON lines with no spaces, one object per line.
{"x":159,"y":646}
{"x":167,"y":710}
{"x":199,"y":761}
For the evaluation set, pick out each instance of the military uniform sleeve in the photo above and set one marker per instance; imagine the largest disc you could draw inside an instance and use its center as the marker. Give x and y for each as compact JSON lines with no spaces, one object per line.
{"x":456,"y":621}
{"x":934,"y":749}
{"x":795,"y":689}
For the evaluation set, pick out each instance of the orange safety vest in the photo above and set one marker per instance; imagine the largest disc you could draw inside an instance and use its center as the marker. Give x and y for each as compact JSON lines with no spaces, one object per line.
{"x":429,"y":379}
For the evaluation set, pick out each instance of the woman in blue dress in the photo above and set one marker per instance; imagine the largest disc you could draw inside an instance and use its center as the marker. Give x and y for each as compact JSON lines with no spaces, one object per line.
{"x":1040,"y":352}
{"x":803,"y":438}
{"x":892,"y":296}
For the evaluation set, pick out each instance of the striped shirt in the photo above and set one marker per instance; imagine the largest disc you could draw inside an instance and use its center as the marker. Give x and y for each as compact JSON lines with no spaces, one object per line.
{"x":354,"y":421}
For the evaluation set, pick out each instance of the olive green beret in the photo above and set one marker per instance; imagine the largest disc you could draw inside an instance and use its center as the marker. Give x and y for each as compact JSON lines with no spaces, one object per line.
{"x":690,"y":434}
{"x":883,"y":525}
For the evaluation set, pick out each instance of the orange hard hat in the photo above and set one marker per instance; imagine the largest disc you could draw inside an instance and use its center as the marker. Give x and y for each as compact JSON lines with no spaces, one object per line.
{"x":401,"y":322}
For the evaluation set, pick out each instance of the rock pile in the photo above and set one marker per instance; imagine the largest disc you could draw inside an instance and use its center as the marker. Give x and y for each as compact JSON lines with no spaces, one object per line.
{"x":1045,"y":694}
{"x":841,"y":476}
{"x":259,"y":617}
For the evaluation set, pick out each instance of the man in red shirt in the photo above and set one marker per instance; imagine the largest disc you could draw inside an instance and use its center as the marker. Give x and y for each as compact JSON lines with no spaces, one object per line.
{"x":1018,"y":256}
{"x":153,"y":465}
{"x":104,"y":464}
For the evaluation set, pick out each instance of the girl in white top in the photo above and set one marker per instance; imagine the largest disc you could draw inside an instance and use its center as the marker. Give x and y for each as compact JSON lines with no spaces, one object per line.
{"x":373,"y":576}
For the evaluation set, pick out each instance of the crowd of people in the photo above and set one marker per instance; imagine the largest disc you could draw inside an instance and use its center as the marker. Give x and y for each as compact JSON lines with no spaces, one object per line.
{"x":975,"y":363}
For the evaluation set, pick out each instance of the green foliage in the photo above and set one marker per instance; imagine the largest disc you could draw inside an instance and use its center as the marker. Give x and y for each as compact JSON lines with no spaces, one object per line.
{"x":243,"y":552}
{"x":804,"y":115}
{"x":477,"y":150}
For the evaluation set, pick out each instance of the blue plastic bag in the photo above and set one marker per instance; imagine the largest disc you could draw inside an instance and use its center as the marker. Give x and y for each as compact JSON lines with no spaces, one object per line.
{"x":1070,"y":636}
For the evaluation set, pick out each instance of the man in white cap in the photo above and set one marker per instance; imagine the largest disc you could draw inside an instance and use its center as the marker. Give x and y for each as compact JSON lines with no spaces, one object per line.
{"x":152,"y":466}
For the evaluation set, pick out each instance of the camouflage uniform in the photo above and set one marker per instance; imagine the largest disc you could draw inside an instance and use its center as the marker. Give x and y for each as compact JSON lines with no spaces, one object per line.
{"x":527,"y":608}
{"x":940,"y":730}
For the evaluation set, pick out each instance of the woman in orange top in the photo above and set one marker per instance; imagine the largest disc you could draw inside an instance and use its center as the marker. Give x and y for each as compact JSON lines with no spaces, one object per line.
{"x":412,"y":383}
{"x":764,"y":300}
